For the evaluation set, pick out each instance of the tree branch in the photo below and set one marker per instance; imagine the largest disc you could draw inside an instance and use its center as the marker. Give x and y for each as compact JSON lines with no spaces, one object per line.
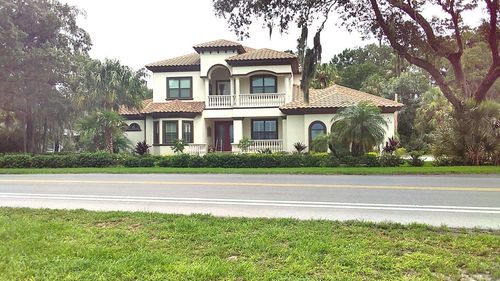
{"x":429,"y":67}
{"x":494,"y":71}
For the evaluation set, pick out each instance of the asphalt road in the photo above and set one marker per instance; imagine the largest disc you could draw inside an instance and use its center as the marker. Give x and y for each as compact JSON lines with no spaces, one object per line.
{"x":456,"y":201}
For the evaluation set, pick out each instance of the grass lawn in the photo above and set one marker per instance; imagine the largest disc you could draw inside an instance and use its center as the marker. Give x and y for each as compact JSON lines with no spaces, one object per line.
{"x":83,"y":245}
{"x":428,"y":169}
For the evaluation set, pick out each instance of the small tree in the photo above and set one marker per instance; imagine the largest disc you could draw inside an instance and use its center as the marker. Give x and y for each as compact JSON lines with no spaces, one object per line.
{"x":360,"y":127}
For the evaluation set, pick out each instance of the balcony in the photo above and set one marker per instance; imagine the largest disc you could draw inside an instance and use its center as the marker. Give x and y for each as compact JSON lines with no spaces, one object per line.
{"x":246,"y":100}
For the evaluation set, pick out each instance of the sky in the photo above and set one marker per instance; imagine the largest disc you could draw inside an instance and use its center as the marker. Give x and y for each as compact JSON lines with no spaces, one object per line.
{"x":141,"y":32}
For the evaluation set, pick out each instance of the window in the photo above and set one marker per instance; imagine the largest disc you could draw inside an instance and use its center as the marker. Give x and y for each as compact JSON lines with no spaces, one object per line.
{"x":169,"y":132}
{"x":263,"y":84}
{"x":156,"y":132}
{"x":134,"y":127}
{"x":179,"y":88}
{"x":187,"y":131}
{"x":315,"y":129}
{"x":264,"y":129}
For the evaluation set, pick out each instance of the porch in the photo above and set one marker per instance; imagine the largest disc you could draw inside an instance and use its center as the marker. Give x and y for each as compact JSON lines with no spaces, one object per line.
{"x":224,"y":135}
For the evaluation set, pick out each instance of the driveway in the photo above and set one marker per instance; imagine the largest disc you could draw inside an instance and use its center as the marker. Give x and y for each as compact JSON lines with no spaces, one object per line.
{"x":456,"y":201}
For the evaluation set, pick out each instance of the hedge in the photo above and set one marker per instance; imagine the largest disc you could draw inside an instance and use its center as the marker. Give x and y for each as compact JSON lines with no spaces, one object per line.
{"x":215,"y":160}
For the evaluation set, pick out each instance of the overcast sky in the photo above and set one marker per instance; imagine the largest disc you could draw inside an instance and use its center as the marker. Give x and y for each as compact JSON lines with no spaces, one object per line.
{"x":140,"y":32}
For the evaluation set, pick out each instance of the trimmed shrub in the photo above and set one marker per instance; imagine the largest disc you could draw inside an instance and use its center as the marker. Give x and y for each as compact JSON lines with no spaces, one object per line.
{"x":97,"y":159}
{"x":330,"y":161}
{"x":389,"y":160}
{"x":139,"y":162}
{"x":54,"y":161}
{"x":180,"y":160}
{"x":197,"y":161}
{"x":370,"y":160}
{"x":15,"y":161}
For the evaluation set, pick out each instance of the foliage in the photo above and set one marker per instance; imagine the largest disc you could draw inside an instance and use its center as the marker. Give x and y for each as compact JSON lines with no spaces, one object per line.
{"x":101,"y":130}
{"x":244,"y":144}
{"x":108,"y":85}
{"x":360,"y":126}
{"x":265,"y":151}
{"x":448,"y":161}
{"x":389,"y":160}
{"x":141,"y":148}
{"x":41,"y":44}
{"x":474,"y":135}
{"x":178,"y":146}
{"x":299,"y":147}
{"x":324,"y":76}
{"x":391,"y":145}
{"x":409,"y":88}
{"x":135,"y":161}
{"x":320,"y":143}
{"x":416,"y":159}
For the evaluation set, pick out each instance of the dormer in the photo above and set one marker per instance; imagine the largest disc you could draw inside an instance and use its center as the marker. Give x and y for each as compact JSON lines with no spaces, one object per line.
{"x":216,"y":52}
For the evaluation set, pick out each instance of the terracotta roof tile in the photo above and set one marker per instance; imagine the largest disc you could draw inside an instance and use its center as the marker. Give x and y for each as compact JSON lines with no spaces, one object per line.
{"x":185,"y":60}
{"x":220,"y":43}
{"x":123,"y":110}
{"x":262,"y":54}
{"x":170,"y":106}
{"x":336,"y":96}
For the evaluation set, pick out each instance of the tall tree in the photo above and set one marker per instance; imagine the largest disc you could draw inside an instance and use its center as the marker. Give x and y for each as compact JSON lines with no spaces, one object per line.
{"x":278,"y":14}
{"x":104,"y":87}
{"x":39,"y":43}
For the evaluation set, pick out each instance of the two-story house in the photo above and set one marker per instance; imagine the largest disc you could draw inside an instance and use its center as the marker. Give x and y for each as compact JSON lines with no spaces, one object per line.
{"x":225,"y":92}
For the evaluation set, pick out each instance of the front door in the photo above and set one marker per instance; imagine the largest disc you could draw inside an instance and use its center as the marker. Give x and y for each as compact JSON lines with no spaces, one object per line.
{"x":223,"y":135}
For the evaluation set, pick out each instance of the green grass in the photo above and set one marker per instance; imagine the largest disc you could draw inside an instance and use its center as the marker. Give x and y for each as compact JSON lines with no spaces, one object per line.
{"x":83,"y":245}
{"x":430,"y":170}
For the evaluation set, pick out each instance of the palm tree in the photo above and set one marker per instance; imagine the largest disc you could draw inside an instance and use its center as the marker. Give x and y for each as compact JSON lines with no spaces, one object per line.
{"x":102,"y":127}
{"x":104,"y":87}
{"x":360,"y":127}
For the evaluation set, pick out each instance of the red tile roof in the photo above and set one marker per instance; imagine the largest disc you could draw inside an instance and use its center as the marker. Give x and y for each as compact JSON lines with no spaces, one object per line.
{"x":185,"y":60}
{"x":174,"y":106}
{"x":262,"y":54}
{"x":217,"y":44}
{"x":337,"y":96}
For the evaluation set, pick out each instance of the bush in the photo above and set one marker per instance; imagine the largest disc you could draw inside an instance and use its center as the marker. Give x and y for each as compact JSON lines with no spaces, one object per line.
{"x":415,"y":159}
{"x":329,"y":161}
{"x":54,"y":161}
{"x":319,"y":143}
{"x":389,"y":160}
{"x":139,"y":162}
{"x":448,"y":161}
{"x":180,"y":160}
{"x":370,"y":160}
{"x":15,"y":161}
{"x":97,"y":159}
{"x":141,"y":148}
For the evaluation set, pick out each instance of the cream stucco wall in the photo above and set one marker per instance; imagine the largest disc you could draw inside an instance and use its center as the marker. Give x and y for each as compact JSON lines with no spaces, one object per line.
{"x":135,"y":136}
{"x":160,"y":85}
{"x":298,"y":127}
{"x":208,"y":59}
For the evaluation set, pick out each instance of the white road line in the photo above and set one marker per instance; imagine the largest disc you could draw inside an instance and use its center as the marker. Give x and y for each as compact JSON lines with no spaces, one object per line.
{"x":269,"y":203}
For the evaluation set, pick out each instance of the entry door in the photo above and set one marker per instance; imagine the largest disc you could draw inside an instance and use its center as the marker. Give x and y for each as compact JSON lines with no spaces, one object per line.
{"x":223,"y":135}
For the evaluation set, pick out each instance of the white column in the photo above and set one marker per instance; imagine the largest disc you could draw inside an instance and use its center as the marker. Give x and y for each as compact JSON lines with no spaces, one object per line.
{"x":237,"y":130}
{"x":237,"y":91}
{"x":289,"y":89}
{"x":207,"y":90}
{"x":284,"y":135}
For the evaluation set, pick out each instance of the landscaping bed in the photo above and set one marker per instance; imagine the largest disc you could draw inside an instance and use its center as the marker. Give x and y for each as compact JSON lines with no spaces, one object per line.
{"x":84,"y":245}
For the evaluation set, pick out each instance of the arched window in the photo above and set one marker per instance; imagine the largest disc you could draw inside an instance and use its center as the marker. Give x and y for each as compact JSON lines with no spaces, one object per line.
{"x":133,"y":127}
{"x":315,"y":129}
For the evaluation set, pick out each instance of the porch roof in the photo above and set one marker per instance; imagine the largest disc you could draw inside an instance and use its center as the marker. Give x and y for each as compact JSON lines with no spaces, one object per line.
{"x":175,"y":106}
{"x":330,"y":99}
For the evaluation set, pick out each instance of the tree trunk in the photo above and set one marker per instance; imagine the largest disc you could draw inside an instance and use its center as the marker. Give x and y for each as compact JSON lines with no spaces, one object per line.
{"x":108,"y":136}
{"x":29,"y":129}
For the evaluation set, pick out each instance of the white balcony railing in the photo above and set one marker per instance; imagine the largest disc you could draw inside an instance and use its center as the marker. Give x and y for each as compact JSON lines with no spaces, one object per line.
{"x":246,"y":100}
{"x":260,"y":145}
{"x":197,"y":148}
{"x":220,"y":101}
{"x":261,"y":100}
